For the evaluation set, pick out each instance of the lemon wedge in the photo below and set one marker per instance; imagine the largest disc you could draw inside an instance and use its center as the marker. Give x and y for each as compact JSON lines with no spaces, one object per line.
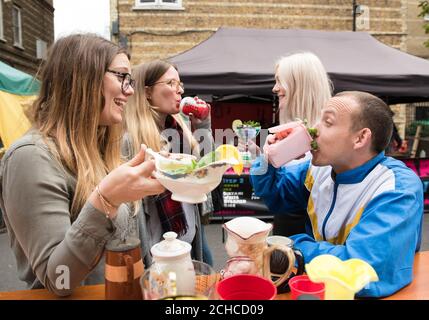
{"x":236,"y":124}
{"x":227,"y":152}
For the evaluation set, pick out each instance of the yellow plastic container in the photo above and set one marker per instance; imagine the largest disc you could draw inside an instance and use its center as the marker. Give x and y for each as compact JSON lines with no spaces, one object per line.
{"x":343,"y":279}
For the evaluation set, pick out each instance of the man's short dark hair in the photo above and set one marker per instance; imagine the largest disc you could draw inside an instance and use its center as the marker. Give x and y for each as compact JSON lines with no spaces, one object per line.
{"x":373,"y":114}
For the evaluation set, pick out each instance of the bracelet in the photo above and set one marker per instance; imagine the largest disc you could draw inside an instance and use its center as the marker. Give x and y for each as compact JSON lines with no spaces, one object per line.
{"x":105,"y":203}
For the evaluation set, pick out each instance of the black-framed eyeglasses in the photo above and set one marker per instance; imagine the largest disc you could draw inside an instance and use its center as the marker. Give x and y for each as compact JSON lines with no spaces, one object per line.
{"x":127,"y":81}
{"x":173,"y":83}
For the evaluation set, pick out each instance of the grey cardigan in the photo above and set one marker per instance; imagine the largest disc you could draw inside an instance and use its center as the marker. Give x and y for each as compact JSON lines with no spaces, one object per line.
{"x":35,"y":197}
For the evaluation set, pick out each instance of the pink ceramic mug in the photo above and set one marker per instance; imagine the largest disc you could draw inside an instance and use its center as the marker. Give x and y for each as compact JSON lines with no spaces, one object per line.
{"x":297,"y":143}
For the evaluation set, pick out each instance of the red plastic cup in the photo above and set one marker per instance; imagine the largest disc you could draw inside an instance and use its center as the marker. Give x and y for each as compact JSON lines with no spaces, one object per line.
{"x":246,"y":287}
{"x":302,"y":285}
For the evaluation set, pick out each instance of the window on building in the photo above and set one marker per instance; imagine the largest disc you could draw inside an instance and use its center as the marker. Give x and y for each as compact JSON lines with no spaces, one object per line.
{"x":17,"y":26}
{"x":422,"y":111}
{"x":417,"y":111}
{"x":41,"y":49}
{"x":159,"y":4}
{"x":1,"y":20}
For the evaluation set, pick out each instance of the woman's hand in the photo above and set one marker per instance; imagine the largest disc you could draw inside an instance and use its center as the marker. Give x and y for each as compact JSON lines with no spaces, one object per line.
{"x":271,"y":138}
{"x":195,"y":122}
{"x":129,"y":182}
{"x":132,"y":180}
{"x":252,"y":147}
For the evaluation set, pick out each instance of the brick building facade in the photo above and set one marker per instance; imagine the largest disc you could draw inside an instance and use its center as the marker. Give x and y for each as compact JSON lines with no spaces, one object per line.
{"x":416,"y":35}
{"x":159,"y":29}
{"x":162,"y":28}
{"x":26,"y":31}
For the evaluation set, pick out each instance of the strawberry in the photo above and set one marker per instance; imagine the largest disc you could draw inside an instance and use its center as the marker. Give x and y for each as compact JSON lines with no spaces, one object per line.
{"x":283,"y":134}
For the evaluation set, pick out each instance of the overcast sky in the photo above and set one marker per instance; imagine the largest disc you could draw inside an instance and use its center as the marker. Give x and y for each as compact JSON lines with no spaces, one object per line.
{"x":81,"y":16}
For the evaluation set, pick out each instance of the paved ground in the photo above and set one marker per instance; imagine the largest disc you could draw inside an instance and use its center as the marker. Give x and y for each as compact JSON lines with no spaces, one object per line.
{"x":10,"y":282}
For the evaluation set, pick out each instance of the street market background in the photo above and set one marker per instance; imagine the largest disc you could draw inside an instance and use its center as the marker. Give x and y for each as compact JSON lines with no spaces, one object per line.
{"x":93,"y":16}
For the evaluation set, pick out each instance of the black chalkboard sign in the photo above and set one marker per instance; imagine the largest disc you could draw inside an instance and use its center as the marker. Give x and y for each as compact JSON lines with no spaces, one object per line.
{"x":235,"y":197}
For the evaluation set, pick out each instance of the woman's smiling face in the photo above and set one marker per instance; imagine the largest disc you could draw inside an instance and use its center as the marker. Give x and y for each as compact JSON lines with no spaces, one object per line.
{"x":115,"y":99}
{"x":280,"y":91}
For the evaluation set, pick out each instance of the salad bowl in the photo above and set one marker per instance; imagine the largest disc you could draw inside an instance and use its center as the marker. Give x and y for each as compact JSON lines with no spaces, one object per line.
{"x":190,"y":180}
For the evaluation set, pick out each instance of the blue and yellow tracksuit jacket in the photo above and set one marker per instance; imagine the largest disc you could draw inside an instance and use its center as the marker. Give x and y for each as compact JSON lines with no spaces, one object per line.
{"x":373,"y":212}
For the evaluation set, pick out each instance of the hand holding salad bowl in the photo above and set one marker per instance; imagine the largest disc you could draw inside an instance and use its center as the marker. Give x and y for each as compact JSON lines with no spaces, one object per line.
{"x":190,"y":180}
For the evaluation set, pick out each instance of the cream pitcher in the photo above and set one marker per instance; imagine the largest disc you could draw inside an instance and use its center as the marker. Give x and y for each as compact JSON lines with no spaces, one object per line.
{"x":248,"y":250}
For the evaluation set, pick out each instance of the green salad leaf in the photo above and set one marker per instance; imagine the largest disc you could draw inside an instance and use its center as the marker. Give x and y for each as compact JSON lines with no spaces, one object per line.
{"x":313,"y":134}
{"x":176,"y":167}
{"x":207,"y":159}
{"x":251,"y":123}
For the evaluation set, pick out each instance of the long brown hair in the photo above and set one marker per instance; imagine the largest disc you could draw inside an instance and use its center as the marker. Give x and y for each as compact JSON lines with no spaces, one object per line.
{"x":142,"y":119}
{"x":67,"y":111}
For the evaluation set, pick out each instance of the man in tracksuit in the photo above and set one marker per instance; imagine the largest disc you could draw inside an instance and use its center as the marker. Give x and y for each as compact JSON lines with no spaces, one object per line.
{"x":360,"y":203}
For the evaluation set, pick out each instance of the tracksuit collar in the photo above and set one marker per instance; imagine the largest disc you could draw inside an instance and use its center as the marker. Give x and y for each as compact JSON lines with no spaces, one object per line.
{"x":356,"y":175}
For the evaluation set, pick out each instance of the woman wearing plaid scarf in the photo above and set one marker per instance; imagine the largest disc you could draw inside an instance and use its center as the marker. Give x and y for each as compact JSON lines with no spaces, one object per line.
{"x":152,"y":118}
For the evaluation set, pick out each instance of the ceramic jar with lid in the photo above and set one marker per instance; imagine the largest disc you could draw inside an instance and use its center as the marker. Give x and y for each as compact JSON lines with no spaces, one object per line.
{"x":172,"y":265}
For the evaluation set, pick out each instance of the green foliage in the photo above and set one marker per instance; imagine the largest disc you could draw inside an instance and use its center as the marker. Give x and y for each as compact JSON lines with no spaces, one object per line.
{"x":312,"y":132}
{"x":251,"y":123}
{"x":411,"y":129}
{"x":314,"y":145}
{"x":424,"y":5}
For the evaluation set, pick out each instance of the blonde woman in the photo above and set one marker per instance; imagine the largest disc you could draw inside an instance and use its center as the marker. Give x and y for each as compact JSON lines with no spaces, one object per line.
{"x":63,"y":186}
{"x":303,"y":88}
{"x":152,"y":116}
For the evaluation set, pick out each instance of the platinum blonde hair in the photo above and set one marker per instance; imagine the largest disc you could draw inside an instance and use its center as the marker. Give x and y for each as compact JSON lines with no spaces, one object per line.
{"x":307,"y":86}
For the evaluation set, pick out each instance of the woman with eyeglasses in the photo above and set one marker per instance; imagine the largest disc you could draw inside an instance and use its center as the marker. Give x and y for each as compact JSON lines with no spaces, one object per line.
{"x":65,"y":190}
{"x":152,"y":115}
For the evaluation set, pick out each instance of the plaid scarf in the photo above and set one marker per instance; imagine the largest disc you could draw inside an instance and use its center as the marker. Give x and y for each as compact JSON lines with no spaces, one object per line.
{"x":170,"y":212}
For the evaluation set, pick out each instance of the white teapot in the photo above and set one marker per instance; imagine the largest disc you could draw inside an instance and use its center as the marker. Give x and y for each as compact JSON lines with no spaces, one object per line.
{"x":172,"y":270}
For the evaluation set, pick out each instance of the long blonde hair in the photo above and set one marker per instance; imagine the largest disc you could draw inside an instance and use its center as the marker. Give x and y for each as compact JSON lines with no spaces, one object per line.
{"x":67,"y":111}
{"x":307,"y":85}
{"x":143,"y":120}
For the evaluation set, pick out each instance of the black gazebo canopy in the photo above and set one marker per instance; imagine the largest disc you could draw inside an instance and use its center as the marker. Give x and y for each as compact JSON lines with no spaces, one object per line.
{"x":241,"y":61}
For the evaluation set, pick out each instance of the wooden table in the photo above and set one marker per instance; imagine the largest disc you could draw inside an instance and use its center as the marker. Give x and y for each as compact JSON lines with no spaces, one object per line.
{"x":417,"y":290}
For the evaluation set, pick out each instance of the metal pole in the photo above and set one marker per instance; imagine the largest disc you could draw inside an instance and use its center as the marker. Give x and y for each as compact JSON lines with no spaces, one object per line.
{"x":354,"y":15}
